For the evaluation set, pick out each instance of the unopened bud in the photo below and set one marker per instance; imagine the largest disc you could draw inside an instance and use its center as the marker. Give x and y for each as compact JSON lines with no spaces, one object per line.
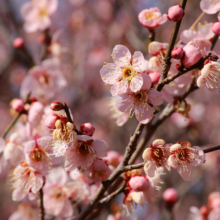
{"x":18,"y":43}
{"x":51,"y":120}
{"x":18,"y":105}
{"x":177,"y":53}
{"x":170,"y":196}
{"x":56,"y":106}
{"x":154,"y":76}
{"x":87,"y":129}
{"x":175,"y":13}
{"x":216,"y":28}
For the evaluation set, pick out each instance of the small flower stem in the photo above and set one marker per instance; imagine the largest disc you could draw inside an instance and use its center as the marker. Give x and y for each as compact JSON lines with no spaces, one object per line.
{"x":211,"y":149}
{"x":13,"y":122}
{"x":67,"y":111}
{"x":214,"y":41}
{"x":152,"y":35}
{"x":41,"y":204}
{"x":46,"y":44}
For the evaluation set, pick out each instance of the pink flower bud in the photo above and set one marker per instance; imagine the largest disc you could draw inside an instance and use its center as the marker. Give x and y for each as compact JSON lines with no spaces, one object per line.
{"x":170,"y":196}
{"x":175,"y":13}
{"x":154,"y":76}
{"x":191,"y":56}
{"x":56,"y":106}
{"x":18,"y":105}
{"x":177,"y":53}
{"x":51,"y":120}
{"x":139,"y":183}
{"x":216,"y":28}
{"x":18,"y":43}
{"x":87,"y":129}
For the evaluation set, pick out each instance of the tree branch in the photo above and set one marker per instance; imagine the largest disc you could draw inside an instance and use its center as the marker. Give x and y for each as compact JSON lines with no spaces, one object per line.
{"x":41,"y":204}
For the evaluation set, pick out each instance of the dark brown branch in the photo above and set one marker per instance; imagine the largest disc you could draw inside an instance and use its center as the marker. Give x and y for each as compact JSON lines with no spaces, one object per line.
{"x":67,"y":111}
{"x":152,"y":35}
{"x":214,"y":41}
{"x":207,"y":150}
{"x":41,"y":204}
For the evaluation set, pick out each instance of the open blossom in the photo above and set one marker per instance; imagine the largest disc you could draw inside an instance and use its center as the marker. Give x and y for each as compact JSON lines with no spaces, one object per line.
{"x":156,"y":156}
{"x":26,"y":179}
{"x":210,"y":6}
{"x":155,"y":48}
{"x":37,"y":153}
{"x":25,"y":211}
{"x":56,"y":197}
{"x":125,"y":72}
{"x":151,"y":18}
{"x":139,"y":102}
{"x":43,"y":81}
{"x":182,"y":155}
{"x":63,"y":135}
{"x":36,"y":14}
{"x":83,"y":152}
{"x":209,"y":76}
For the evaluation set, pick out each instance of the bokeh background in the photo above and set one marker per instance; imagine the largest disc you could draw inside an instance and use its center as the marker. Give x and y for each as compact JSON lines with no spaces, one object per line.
{"x":86,"y":31}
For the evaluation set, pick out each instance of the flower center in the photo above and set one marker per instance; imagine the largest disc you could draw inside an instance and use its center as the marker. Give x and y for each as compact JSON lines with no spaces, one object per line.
{"x":43,"y":79}
{"x":43,"y":13}
{"x":149,"y":15}
{"x":38,"y":154}
{"x":128,"y":73}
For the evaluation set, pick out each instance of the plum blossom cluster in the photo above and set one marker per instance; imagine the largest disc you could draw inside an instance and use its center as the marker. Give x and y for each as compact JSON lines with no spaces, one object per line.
{"x":179,"y":156}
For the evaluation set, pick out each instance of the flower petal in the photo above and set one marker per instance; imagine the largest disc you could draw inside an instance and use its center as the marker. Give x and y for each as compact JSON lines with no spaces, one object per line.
{"x":121,"y":56}
{"x":184,"y":171}
{"x":144,"y":114}
{"x":100,"y":147}
{"x":136,"y":83}
{"x":155,"y":98}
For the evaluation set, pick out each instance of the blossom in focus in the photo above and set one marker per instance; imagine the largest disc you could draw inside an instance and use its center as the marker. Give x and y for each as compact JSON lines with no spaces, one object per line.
{"x":209,"y":76}
{"x":83,"y":152}
{"x":25,"y":211}
{"x":182,"y":155}
{"x":25,"y":180}
{"x":43,"y":81}
{"x":36,"y":14}
{"x":139,"y":103}
{"x":37,"y":153}
{"x":156,"y":155}
{"x":152,"y":18}
{"x":125,"y":72}
{"x":56,"y":198}
{"x":210,"y":6}
{"x":99,"y":170}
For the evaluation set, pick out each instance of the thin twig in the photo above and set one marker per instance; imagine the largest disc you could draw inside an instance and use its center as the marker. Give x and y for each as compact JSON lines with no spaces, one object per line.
{"x":152,"y":35}
{"x":67,"y":111}
{"x":14,"y":121}
{"x":41,"y":204}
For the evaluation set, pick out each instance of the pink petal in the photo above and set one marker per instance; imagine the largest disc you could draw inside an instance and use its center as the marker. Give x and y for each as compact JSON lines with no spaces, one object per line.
{"x":121,"y":55}
{"x":162,"y":19}
{"x":146,"y":81}
{"x":144,"y":114}
{"x":119,"y":88}
{"x":188,"y":35}
{"x":150,"y":168}
{"x":124,"y":102}
{"x":172,"y":161}
{"x":138,"y":61}
{"x":210,"y":7}
{"x":184,"y":171}
{"x":84,"y":138}
{"x":18,"y":195}
{"x":57,"y":176}
{"x":52,"y":6}
{"x":136,"y":83}
{"x":100,"y":147}
{"x":167,"y":97}
{"x":110,"y":73}
{"x":38,"y":183}
{"x":205,"y":31}
{"x":155,"y":97}
{"x":67,"y":210}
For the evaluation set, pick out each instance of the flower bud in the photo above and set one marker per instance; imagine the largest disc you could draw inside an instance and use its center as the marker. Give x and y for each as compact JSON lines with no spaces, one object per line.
{"x":18,"y":105}
{"x":177,"y":53}
{"x":216,"y":28}
{"x":56,"y":106}
{"x":191,"y":56}
{"x":18,"y":43}
{"x":87,"y":129}
{"x":51,"y":120}
{"x":139,"y":183}
{"x":170,"y":196}
{"x":155,"y":76}
{"x":175,"y":13}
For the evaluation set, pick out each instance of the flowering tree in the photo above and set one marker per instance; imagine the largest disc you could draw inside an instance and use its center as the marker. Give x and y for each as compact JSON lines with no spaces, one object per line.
{"x":61,"y":170}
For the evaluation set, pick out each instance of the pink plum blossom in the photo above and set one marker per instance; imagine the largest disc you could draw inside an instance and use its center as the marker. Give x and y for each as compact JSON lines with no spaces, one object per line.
{"x":50,"y":120}
{"x":155,"y":48}
{"x":209,"y":76}
{"x":56,"y":198}
{"x":210,"y":6}
{"x":125,"y":72}
{"x":152,"y":18}
{"x":175,"y":13}
{"x":35,"y":113}
{"x":154,"y":76}
{"x":83,"y":152}
{"x":18,"y":105}
{"x":25,"y":211}
{"x":99,"y":170}
{"x":37,"y":153}
{"x":113,"y":158}
{"x":139,"y":102}
{"x":43,"y":81}
{"x":26,"y":179}
{"x":36,"y":14}
{"x":177,"y":53}
{"x":182,"y":155}
{"x":87,"y":129}
{"x":156,"y":155}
